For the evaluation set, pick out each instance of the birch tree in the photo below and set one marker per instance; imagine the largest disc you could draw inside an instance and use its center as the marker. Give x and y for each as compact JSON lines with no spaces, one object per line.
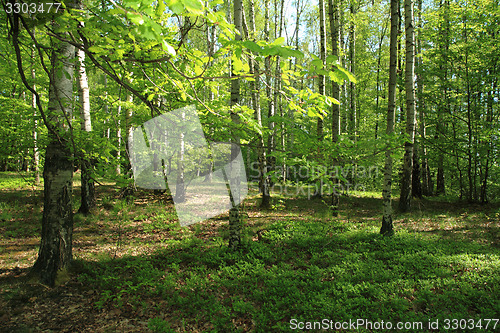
{"x":255,"y":87}
{"x":333,"y":13}
{"x":269,"y":94}
{"x":235,"y":223}
{"x":387,"y":227}
{"x":322,"y":53}
{"x":406,"y":183}
{"x":55,"y":251}
{"x":88,"y":200}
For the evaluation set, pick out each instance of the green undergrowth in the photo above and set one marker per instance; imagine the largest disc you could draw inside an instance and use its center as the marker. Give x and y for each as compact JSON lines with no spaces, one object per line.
{"x":308,"y":271}
{"x":298,"y":263}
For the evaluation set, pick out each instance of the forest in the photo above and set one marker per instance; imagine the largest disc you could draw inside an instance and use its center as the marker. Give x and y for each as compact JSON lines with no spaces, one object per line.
{"x":249,"y":166}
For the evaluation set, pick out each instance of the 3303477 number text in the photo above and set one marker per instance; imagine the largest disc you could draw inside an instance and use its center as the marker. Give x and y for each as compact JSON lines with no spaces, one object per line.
{"x":31,"y":8}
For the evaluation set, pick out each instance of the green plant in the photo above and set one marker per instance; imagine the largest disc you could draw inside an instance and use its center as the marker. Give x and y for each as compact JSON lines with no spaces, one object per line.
{"x":159,"y":325}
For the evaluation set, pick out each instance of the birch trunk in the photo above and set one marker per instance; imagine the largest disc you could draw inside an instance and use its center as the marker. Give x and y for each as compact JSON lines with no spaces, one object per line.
{"x":270,"y":99}
{"x":406,"y":183}
{"x":36,"y":153}
{"x":88,"y":200}
{"x":255,"y":86}
{"x":352,"y":85}
{"x":55,"y":251}
{"x":387,"y":226}
{"x":333,"y":14}
{"x":322,"y":54}
{"x":235,"y":222}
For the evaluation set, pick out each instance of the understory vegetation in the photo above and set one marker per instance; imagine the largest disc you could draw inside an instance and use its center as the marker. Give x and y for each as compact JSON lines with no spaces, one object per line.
{"x":136,"y":269}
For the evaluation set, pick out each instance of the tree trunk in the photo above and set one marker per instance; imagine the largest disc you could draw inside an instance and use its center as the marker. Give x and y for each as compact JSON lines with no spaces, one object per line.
{"x":416,"y":187}
{"x":318,"y":188}
{"x":235,"y":222}
{"x":128,"y":128}
{"x":387,"y":226}
{"x":406,"y":183}
{"x":445,"y":41}
{"x":36,"y":153}
{"x":352,"y":62}
{"x":255,"y":86}
{"x":278,"y":83}
{"x":271,"y":161}
{"x":55,"y":251}
{"x":180,"y":188}
{"x":210,"y":52}
{"x":379,"y":59}
{"x":333,"y":14}
{"x":426,"y":182}
{"x":118,"y":138}
{"x":88,"y":200}
{"x":322,"y":54}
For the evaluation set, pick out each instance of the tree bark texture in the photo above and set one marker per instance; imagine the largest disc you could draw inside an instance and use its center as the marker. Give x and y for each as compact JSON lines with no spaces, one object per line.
{"x":55,"y":251}
{"x":387,"y":225}
{"x":406,"y":182}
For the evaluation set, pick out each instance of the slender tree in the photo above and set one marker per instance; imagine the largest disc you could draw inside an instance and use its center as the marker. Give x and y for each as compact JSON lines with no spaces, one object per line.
{"x":271,"y":142}
{"x":88,"y":200}
{"x":425,"y":170}
{"x":387,"y":226}
{"x":36,"y":152}
{"x":322,"y":52}
{"x":406,"y":183}
{"x":333,"y":13}
{"x":235,"y":222}
{"x":352,"y":66}
{"x":255,"y":87}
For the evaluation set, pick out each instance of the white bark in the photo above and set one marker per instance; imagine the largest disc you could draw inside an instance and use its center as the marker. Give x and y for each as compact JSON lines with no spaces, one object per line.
{"x":406,"y":184}
{"x":387,"y":227}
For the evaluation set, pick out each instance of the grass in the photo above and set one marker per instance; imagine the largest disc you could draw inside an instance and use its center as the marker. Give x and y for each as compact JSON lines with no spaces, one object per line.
{"x":136,"y":269}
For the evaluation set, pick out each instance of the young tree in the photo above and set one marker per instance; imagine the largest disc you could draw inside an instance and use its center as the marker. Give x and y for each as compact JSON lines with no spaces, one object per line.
{"x":255,"y":87}
{"x":271,"y":142}
{"x":333,"y":13}
{"x":352,"y":61}
{"x":235,"y":223}
{"x":322,"y":52}
{"x":425,"y":170}
{"x":406,"y":183}
{"x":387,"y":227}
{"x":36,"y":152}
{"x":88,"y":200}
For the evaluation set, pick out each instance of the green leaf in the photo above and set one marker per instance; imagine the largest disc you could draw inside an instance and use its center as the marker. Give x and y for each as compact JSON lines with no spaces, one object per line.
{"x":252,"y":46}
{"x":237,"y":64}
{"x":135,"y":18}
{"x":278,"y":41}
{"x":161,"y":8}
{"x":176,"y":6}
{"x":317,"y":63}
{"x":332,"y":59}
{"x":194,"y":6}
{"x":95,"y":49}
{"x":348,"y":74}
{"x":337,"y":77}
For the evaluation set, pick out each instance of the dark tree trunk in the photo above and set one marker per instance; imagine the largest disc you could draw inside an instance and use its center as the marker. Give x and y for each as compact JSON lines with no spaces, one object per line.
{"x":416,"y":188}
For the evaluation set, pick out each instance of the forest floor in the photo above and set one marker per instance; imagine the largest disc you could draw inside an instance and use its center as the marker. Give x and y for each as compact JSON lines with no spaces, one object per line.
{"x":137,"y":270}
